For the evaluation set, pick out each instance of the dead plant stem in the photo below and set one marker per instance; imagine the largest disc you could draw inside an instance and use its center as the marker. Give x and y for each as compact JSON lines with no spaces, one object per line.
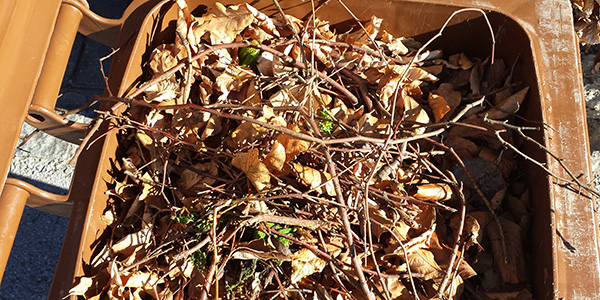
{"x":459,"y":232}
{"x":347,"y":228}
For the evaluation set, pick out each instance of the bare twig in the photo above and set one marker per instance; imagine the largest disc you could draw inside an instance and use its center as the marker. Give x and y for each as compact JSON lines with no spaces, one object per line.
{"x":346,"y":223}
{"x":459,"y":232}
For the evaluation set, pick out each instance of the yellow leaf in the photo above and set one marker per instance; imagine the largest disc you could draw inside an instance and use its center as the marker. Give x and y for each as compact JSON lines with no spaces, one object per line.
{"x":315,"y":179}
{"x":255,"y":170}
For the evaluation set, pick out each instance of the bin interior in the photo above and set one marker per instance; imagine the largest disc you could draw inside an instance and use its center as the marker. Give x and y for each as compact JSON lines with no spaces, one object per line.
{"x":467,"y":33}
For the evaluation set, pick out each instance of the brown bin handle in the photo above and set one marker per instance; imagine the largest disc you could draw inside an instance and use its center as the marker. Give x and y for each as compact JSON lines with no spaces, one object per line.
{"x":15,"y":195}
{"x":73,"y":15}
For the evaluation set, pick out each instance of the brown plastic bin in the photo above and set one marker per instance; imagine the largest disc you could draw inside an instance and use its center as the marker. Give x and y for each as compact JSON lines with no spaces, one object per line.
{"x":36,"y":38}
{"x":565,"y":253}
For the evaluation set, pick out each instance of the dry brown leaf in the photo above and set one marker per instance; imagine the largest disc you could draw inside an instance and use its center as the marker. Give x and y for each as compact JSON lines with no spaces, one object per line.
{"x":514,"y":271}
{"x":163,"y":92}
{"x":260,"y":249}
{"x":394,"y":44}
{"x":433,"y":192}
{"x":133,"y":240}
{"x":475,"y":79}
{"x":360,"y":37}
{"x":459,"y":61}
{"x":498,"y":198}
{"x":371,"y":126}
{"x":423,"y":262}
{"x":293,"y":146}
{"x":83,"y":287}
{"x":146,"y":280}
{"x":265,"y":27}
{"x":285,"y":148}
{"x":255,"y":170}
{"x":247,"y":133}
{"x":315,"y":179}
{"x":472,"y":230}
{"x":444,"y":107}
{"x":276,"y":157}
{"x":496,"y":75}
{"x":305,"y":263}
{"x":108,"y":217}
{"x":233,"y":78}
{"x":192,"y":179}
{"x":212,"y":128}
{"x":508,"y":107}
{"x":413,"y":112}
{"x":222,"y":24}
{"x":163,"y":59}
{"x":382,"y":223}
{"x":413,"y":74}
{"x":439,"y":106}
{"x":396,"y":288}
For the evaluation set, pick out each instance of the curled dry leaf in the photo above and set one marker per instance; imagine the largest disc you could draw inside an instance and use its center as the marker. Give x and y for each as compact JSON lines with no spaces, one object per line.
{"x":433,"y":192}
{"x":82,"y":288}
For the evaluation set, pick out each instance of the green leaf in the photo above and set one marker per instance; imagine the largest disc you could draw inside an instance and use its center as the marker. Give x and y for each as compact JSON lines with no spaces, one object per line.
{"x":248,"y":56}
{"x":326,"y":126}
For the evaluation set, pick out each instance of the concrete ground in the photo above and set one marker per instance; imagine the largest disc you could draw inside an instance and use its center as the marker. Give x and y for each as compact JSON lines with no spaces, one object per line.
{"x":43,"y":161}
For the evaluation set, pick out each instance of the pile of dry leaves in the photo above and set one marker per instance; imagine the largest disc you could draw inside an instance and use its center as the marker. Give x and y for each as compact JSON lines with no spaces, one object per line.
{"x":275,"y":158}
